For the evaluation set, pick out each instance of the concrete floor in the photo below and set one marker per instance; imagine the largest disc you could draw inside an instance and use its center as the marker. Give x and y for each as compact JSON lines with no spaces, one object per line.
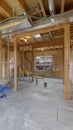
{"x":34,"y":107}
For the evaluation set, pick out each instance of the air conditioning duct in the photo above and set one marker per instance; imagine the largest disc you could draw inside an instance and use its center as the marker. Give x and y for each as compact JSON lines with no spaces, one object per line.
{"x":51,"y":7}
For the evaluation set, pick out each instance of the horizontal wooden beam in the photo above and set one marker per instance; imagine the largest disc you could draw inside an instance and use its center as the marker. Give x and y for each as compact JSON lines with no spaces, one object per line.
{"x":42,"y":30}
{"x":57,"y":42}
{"x":6,"y":8}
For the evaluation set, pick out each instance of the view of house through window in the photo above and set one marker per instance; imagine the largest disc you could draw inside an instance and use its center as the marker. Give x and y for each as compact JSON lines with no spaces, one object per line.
{"x":44,"y":62}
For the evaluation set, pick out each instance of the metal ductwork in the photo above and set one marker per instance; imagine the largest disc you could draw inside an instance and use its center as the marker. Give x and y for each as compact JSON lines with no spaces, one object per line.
{"x":22,"y":24}
{"x":14,"y":24}
{"x":51,"y":7}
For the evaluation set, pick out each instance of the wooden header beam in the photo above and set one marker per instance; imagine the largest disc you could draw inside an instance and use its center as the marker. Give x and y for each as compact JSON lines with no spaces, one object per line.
{"x":43,"y":30}
{"x":57,"y":42}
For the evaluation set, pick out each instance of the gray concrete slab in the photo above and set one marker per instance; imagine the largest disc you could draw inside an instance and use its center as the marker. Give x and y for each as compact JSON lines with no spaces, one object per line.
{"x":34,"y":107}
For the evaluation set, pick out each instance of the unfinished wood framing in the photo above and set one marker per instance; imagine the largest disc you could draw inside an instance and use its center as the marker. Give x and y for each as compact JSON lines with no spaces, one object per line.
{"x":67,"y":61}
{"x":0,"y":58}
{"x":23,"y":62}
{"x":6,"y":8}
{"x":44,"y":30}
{"x":32,"y":65}
{"x":37,"y":31}
{"x":23,"y":5}
{"x":8,"y":58}
{"x":66,"y":28}
{"x":15,"y":65}
{"x":62,"y":5}
{"x":63,"y":63}
{"x":42,"y":7}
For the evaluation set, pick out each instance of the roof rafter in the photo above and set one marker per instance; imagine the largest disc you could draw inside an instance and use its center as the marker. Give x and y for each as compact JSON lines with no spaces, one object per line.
{"x":1,"y":17}
{"x":23,"y":5}
{"x":6,"y":8}
{"x":42,"y":7}
{"x":62,"y":5}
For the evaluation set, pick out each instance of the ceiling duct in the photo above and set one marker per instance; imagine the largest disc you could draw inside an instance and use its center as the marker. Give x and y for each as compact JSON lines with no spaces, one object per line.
{"x":51,"y":7}
{"x":22,"y":24}
{"x":14,"y":24}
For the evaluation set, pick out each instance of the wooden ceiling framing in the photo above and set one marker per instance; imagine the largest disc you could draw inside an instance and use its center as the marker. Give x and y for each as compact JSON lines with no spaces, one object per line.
{"x":58,"y":35}
{"x":7,"y":6}
{"x":62,"y":5}
{"x":42,"y":7}
{"x":23,"y":5}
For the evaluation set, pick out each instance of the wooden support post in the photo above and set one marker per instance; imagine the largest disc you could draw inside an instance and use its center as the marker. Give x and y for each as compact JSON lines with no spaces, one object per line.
{"x":63,"y":64}
{"x":67,"y":61}
{"x":6,"y":64}
{"x":32,"y":65}
{"x":8,"y":58}
{"x":15,"y":65}
{"x":0,"y":59}
{"x":23,"y":63}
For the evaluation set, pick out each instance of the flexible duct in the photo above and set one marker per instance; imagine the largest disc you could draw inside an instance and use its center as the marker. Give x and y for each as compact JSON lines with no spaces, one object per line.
{"x":51,"y":7}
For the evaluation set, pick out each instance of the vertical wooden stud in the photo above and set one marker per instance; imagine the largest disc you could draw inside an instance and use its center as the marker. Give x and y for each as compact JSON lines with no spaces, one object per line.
{"x":8,"y":59}
{"x":15,"y":65}
{"x":67,"y":61}
{"x":32,"y":65}
{"x":0,"y":59}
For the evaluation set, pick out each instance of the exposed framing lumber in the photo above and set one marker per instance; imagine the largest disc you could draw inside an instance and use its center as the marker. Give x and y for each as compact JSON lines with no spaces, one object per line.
{"x":43,"y":30}
{"x":42,"y":7}
{"x":6,"y":8}
{"x":66,"y":28}
{"x":23,"y":60}
{"x":1,"y":17}
{"x":23,"y":5}
{"x":57,"y":42}
{"x":15,"y":65}
{"x":63,"y":64}
{"x":35,"y":12}
{"x":8,"y":58}
{"x":62,"y":5}
{"x":67,"y":61}
{"x":0,"y":58}
{"x":32,"y":65}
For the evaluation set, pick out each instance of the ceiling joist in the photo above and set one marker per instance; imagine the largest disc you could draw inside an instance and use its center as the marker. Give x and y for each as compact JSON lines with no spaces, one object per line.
{"x":6,"y":8}
{"x":23,"y":5}
{"x":56,"y":42}
{"x":1,"y":17}
{"x":42,"y":7}
{"x":62,"y":5}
